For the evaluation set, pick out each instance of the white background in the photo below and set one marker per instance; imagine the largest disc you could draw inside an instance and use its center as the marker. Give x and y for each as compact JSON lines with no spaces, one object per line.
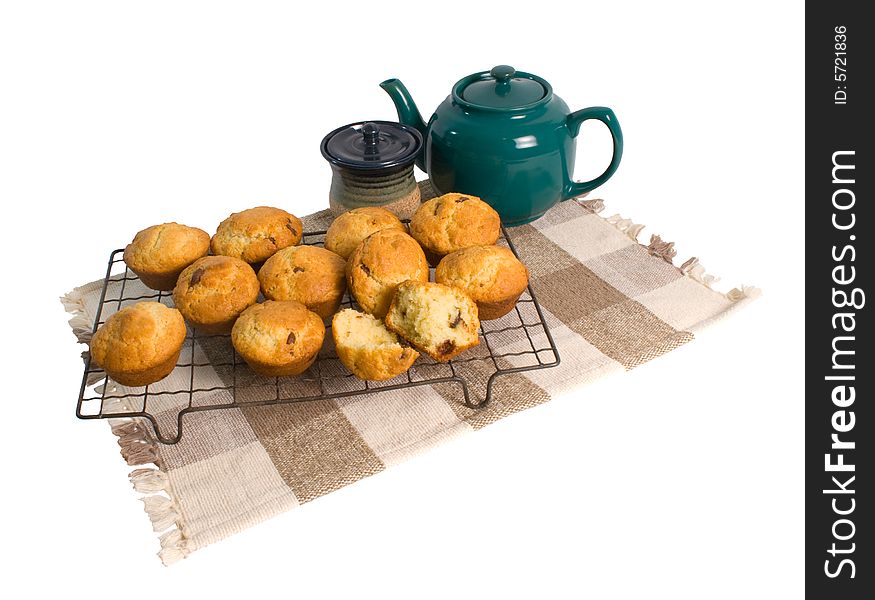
{"x":681,"y":479}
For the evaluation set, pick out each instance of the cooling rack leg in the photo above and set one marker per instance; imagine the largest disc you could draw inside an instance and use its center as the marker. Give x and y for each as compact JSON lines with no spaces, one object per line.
{"x":157,"y":430}
{"x":467,"y":395}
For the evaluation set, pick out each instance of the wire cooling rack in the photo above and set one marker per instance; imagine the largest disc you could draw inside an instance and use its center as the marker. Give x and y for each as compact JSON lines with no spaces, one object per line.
{"x":217,"y":378}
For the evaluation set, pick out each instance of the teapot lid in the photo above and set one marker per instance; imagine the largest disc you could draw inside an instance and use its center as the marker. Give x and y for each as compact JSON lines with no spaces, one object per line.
{"x":372,"y":145}
{"x":502,"y":88}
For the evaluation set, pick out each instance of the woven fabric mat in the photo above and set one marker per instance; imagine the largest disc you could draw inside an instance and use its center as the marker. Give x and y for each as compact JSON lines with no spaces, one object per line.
{"x":611,"y":304}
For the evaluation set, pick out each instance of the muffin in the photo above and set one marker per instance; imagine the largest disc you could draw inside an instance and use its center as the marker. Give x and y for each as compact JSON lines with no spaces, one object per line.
{"x":158,"y":254}
{"x":313,"y":276}
{"x":278,"y":339}
{"x":437,"y":319}
{"x":454,"y":221}
{"x":367,"y":348}
{"x":377,"y":265}
{"x":491,"y":276}
{"x":254,"y":235}
{"x":349,"y":229}
{"x":139,"y":344}
{"x":213,"y":291}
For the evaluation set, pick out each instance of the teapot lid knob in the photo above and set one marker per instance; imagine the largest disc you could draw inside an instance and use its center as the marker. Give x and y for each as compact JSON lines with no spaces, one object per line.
{"x":503,"y":73}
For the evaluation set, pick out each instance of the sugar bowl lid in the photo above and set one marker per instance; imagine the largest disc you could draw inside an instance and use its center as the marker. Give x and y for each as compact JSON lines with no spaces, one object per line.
{"x":372,"y":145}
{"x":502,"y":88}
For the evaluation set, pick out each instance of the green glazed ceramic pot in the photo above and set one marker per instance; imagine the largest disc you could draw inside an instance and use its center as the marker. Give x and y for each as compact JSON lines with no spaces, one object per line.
{"x":503,"y":135}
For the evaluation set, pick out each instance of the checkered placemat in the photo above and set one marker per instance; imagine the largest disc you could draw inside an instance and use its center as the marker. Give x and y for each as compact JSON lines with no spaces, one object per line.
{"x":611,"y":304}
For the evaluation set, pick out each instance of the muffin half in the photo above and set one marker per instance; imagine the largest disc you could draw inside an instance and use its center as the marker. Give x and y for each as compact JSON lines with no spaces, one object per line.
{"x":437,"y":319}
{"x":367,"y":348}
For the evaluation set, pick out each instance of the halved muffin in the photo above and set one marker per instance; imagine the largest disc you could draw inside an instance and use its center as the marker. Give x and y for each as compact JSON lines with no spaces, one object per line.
{"x":437,"y":319}
{"x":367,"y":348}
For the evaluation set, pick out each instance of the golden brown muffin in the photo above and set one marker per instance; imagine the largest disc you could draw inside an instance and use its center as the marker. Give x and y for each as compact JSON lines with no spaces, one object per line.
{"x":454,"y":221}
{"x":313,"y":276}
{"x":437,"y":319}
{"x":213,"y":291}
{"x":349,"y":229}
{"x":377,"y":265}
{"x":255,"y":234}
{"x":278,"y":339}
{"x":158,"y":254}
{"x":139,"y":344}
{"x":367,"y":348}
{"x":491,"y":275}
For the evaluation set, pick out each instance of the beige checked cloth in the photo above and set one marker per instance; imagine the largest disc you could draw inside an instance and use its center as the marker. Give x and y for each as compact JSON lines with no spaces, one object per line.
{"x":611,"y":305}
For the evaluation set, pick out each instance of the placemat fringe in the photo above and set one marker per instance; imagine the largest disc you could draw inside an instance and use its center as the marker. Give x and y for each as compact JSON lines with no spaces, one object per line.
{"x":134,"y":440}
{"x":160,"y":510}
{"x":139,"y":448}
{"x":74,"y":303}
{"x":173,"y":547}
{"x":693,"y":269}
{"x":660,"y":248}
{"x":148,"y":481}
{"x":744,"y":292}
{"x":626,"y":226}
{"x":595,"y":205}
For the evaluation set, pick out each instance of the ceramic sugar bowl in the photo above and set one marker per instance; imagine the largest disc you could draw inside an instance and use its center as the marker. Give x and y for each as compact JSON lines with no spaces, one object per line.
{"x":372,"y":165}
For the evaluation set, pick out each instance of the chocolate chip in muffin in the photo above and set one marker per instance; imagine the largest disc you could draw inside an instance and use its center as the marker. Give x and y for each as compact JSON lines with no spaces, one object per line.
{"x":291,"y":338}
{"x":298,"y":270}
{"x":455,"y":322}
{"x":290,"y":228}
{"x":272,"y":240}
{"x":196,"y":277}
{"x":365,"y":268}
{"x":461,"y":199}
{"x":446,"y":347}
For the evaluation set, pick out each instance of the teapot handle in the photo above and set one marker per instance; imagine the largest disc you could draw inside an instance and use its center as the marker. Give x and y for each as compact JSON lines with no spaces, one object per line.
{"x":573,"y":122}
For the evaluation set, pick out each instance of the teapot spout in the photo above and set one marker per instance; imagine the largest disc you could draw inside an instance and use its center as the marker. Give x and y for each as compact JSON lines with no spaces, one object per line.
{"x":408,"y":113}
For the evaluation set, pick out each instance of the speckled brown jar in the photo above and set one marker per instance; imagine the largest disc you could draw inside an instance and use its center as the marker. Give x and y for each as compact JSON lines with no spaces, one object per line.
{"x":372,"y":165}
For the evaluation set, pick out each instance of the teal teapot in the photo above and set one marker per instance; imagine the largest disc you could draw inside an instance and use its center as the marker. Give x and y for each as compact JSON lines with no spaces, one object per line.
{"x":504,"y":136}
